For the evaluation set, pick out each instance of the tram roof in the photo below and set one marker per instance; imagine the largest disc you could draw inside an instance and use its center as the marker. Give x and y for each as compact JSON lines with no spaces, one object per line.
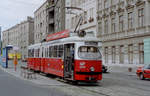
{"x":71,"y":39}
{"x":34,"y":46}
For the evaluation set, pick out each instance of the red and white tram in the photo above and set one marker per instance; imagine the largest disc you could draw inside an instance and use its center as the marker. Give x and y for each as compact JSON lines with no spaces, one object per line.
{"x":68,"y":56}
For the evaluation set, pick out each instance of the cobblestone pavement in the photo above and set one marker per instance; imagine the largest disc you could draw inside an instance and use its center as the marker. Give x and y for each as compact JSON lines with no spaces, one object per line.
{"x":118,"y":82}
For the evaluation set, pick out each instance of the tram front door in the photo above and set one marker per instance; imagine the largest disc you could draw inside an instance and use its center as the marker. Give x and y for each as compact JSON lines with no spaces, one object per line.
{"x":68,"y":60}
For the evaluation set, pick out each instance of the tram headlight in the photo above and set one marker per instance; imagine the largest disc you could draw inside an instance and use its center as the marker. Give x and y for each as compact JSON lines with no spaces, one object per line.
{"x":92,"y":69}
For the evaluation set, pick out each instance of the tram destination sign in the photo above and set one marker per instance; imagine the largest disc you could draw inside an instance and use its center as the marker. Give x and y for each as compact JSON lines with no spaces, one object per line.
{"x":91,"y":43}
{"x":58,"y":35}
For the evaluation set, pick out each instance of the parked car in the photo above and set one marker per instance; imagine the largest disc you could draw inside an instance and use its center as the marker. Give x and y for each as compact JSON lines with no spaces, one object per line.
{"x":104,"y":68}
{"x":143,"y":72}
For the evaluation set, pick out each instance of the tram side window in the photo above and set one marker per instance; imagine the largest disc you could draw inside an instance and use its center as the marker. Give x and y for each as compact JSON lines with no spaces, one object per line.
{"x":35,"y":52}
{"x":55,"y":51}
{"x":42,"y":52}
{"x":38,"y":52}
{"x":29,"y":53}
{"x":47,"y":52}
{"x":60,"y":51}
{"x":50,"y":51}
{"x":32,"y":53}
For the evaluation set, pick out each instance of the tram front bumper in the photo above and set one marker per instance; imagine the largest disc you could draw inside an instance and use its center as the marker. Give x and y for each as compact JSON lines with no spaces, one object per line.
{"x":88,"y":76}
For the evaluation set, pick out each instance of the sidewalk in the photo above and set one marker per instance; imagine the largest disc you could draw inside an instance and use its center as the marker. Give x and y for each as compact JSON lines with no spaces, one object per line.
{"x":40,"y":80}
{"x":120,"y":68}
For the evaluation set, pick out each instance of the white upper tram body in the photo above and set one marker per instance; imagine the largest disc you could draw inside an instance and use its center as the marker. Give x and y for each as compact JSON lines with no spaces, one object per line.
{"x":86,"y":47}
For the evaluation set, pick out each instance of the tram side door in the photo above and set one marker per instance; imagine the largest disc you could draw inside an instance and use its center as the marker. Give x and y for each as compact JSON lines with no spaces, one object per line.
{"x":68,"y":60}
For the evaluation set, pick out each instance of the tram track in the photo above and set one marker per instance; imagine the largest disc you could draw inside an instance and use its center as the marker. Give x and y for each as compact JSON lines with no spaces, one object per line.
{"x":69,"y":85}
{"x":83,"y":88}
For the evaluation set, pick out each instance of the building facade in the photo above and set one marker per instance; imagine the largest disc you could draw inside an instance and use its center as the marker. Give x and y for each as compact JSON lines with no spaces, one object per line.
{"x":20,"y":35}
{"x":60,"y":14}
{"x":88,"y":13}
{"x":50,"y":10}
{"x":49,"y":18}
{"x":40,"y":23}
{"x":122,"y":26}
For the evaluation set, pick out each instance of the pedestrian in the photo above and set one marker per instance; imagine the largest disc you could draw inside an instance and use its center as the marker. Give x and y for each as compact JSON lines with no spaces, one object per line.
{"x":15,"y":62}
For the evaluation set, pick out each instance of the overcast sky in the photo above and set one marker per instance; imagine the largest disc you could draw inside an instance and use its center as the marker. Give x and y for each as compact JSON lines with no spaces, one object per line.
{"x":15,"y":11}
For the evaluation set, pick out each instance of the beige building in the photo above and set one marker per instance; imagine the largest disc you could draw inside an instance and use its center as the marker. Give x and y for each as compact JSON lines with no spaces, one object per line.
{"x":49,"y":18}
{"x":122,"y":26}
{"x":40,"y":23}
{"x":20,"y":35}
{"x":60,"y":15}
{"x":50,"y":10}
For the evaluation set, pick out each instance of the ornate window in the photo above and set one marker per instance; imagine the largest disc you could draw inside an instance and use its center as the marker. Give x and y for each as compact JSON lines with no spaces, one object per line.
{"x":121,"y":54}
{"x":121,"y":23}
{"x":106,"y":54}
{"x":99,"y":28}
{"x":99,"y":4}
{"x":113,"y":25}
{"x":85,"y":18}
{"x":130,"y":54}
{"x":106,"y":3}
{"x":141,"y":17}
{"x":92,"y":12}
{"x":113,"y":54}
{"x":130,"y":20}
{"x":72,"y":24}
{"x":106,"y":26}
{"x":113,"y":2}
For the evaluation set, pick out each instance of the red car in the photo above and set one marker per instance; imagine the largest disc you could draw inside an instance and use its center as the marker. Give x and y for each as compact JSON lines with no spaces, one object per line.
{"x":143,"y":72}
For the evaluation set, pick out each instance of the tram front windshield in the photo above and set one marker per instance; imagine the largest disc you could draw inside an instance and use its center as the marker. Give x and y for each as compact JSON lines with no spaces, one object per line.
{"x":89,"y":52}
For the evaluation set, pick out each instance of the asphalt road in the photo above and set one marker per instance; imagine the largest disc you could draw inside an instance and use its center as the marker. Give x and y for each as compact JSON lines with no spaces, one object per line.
{"x":120,"y":84}
{"x":12,"y":86}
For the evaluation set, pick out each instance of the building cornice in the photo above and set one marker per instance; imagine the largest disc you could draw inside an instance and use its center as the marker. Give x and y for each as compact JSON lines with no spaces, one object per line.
{"x":119,"y":10}
{"x":129,"y":6}
{"x":142,"y":27}
{"x":131,"y":29}
{"x":139,"y":2}
{"x":124,"y":37}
